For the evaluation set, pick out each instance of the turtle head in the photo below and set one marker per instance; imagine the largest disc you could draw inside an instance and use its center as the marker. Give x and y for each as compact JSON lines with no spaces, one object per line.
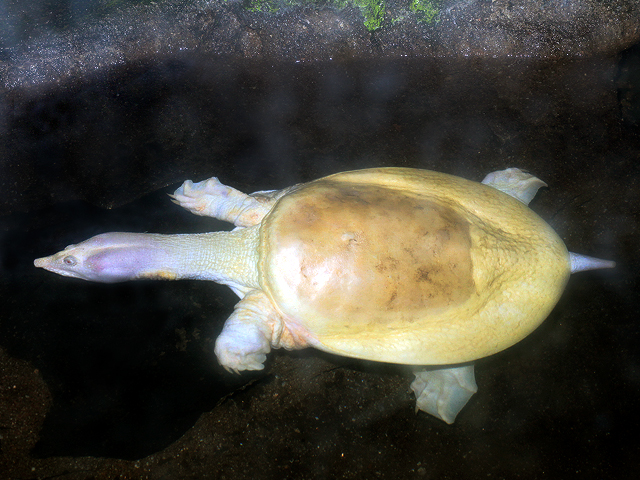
{"x":107,"y":258}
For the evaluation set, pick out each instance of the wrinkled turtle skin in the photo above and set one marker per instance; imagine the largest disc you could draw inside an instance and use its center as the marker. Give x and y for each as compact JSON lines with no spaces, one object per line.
{"x":391,"y":264}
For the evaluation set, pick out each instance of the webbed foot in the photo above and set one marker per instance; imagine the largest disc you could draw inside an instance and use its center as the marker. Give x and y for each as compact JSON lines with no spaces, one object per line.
{"x":443,"y":392}
{"x":248,"y":334}
{"x":210,"y":198}
{"x":515,"y":182}
{"x":242,"y":347}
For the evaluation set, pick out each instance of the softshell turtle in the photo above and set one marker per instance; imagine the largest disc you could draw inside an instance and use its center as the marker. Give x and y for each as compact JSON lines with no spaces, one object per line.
{"x":389,"y":264}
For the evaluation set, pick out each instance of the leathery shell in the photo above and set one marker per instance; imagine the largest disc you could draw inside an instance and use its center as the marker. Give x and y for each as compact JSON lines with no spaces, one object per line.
{"x":409,"y":266}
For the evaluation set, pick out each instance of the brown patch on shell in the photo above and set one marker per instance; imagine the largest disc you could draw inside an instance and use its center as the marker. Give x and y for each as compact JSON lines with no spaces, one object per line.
{"x":366,"y":254}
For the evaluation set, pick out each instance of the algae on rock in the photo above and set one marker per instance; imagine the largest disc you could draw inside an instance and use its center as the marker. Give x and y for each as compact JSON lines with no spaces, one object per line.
{"x":373,"y":11}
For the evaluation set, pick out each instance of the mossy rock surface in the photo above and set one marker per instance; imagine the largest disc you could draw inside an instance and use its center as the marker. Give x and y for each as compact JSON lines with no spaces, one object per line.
{"x":374,"y":12}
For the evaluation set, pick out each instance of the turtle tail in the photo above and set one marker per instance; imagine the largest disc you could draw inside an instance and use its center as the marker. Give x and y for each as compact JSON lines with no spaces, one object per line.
{"x":580,"y":263}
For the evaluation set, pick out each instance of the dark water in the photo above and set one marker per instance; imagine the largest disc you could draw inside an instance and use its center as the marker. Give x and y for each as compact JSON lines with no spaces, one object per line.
{"x":130,"y":367}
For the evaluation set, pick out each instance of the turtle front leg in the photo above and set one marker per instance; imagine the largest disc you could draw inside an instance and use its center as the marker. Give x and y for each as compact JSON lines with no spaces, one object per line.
{"x":250,"y":332}
{"x":443,"y":392}
{"x":210,"y":198}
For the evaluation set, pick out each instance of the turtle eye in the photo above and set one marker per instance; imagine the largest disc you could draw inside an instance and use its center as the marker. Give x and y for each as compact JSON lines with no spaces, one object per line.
{"x":70,"y":261}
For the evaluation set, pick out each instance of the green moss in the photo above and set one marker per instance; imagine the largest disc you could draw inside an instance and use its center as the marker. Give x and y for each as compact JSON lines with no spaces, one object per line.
{"x":338,"y":4}
{"x":270,"y":6}
{"x":426,"y":10}
{"x":373,"y":11}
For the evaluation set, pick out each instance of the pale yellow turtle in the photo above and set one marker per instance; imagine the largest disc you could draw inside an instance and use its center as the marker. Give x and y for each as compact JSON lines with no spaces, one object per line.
{"x":391,"y":264}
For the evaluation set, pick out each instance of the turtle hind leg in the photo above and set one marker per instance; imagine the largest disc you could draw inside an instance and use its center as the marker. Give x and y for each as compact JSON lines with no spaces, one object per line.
{"x":210,"y":198}
{"x":515,"y":182}
{"x":443,"y":392}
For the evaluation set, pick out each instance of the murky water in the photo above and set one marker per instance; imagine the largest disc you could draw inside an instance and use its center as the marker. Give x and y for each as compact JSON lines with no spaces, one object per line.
{"x":129,"y":367}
